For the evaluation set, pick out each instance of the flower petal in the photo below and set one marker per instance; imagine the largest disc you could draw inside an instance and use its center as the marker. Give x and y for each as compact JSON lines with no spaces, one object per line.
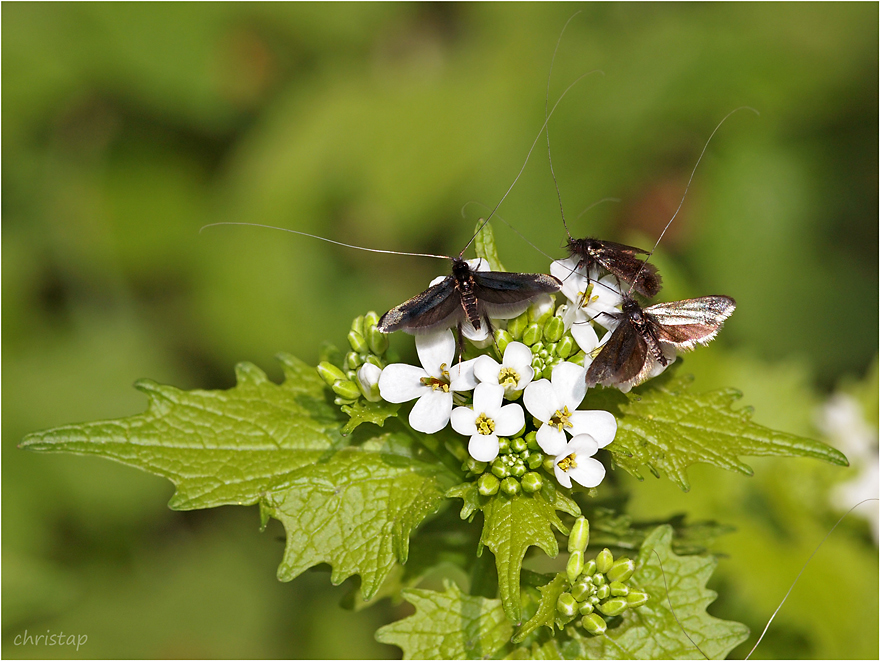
{"x":431,"y":413}
{"x":540,"y":399}
{"x":463,"y":421}
{"x":436,"y":349}
{"x":561,"y":476}
{"x":487,"y":399}
{"x":517,"y":356}
{"x":569,"y":383}
{"x":585,"y":336}
{"x":589,"y":472}
{"x":601,"y":425}
{"x":483,"y":448}
{"x":461,"y":376}
{"x":582,"y":445}
{"x":509,"y":420}
{"x":400,"y":383}
{"x":486,"y":369}
{"x":551,"y":440}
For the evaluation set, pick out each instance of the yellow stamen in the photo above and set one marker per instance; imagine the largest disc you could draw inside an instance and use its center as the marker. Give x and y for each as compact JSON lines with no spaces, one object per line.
{"x":508,"y":377}
{"x":568,"y":463}
{"x":560,"y":419}
{"x":485,"y":426}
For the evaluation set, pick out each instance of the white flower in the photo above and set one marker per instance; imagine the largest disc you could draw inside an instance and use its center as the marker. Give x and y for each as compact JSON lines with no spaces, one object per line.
{"x":433,"y":383}
{"x":555,"y":403}
{"x":515,"y":371}
{"x":574,"y":462}
{"x":368,"y":379}
{"x":592,"y":299}
{"x":586,"y":338}
{"x":487,"y":420}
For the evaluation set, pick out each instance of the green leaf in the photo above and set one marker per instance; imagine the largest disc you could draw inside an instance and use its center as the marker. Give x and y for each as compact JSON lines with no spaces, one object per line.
{"x":664,"y":427}
{"x":651,"y":631}
{"x":511,"y":525}
{"x":484,"y":246}
{"x":545,"y":616}
{"x":280,"y":446}
{"x":448,"y":625}
{"x":363,"y":411}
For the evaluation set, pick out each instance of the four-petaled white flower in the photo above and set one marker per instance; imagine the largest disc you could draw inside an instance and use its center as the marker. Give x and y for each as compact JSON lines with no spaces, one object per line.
{"x":487,"y":420}
{"x":555,"y":403}
{"x":592,"y":298}
{"x":515,"y":371}
{"x":433,"y":383}
{"x":575,"y":462}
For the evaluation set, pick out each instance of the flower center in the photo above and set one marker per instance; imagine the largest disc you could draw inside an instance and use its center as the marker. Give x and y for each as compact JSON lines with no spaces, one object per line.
{"x":438,"y":384}
{"x":586,"y":297}
{"x":568,"y":463}
{"x":485,"y":425}
{"x":560,"y":419}
{"x":508,"y":377}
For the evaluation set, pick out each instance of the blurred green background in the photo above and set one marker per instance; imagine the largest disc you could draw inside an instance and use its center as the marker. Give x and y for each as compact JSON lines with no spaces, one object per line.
{"x":126,"y":127}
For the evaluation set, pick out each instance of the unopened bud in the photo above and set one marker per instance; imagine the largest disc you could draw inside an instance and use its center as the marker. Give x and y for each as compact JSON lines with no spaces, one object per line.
{"x":565,"y":346}
{"x":517,"y":325}
{"x":603,"y":591}
{"x":518,"y":469}
{"x":357,"y":325}
{"x":532,"y":441}
{"x":582,"y":590}
{"x":502,"y":339}
{"x":575,"y":565}
{"x":357,"y":342}
{"x":613,"y":607}
{"x":474,"y":466}
{"x":518,"y":444}
{"x":329,"y":372}
{"x":594,"y":624}
{"x":531,"y":334}
{"x":590,"y":568}
{"x":368,"y":381}
{"x":566,"y":604}
{"x":621,"y":570}
{"x":618,"y":589}
{"x":371,"y":319}
{"x":488,"y":484}
{"x":604,"y":561}
{"x":553,"y":329}
{"x":636,"y":598}
{"x":586,"y":608}
{"x":510,"y":486}
{"x":377,"y":341}
{"x":532,"y":482}
{"x":346,"y":389}
{"x":580,"y":535}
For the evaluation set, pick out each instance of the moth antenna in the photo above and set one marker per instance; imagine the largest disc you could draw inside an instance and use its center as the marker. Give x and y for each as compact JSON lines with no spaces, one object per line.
{"x":672,"y":609}
{"x":546,"y":104}
{"x":531,"y":149}
{"x":686,"y":188}
{"x":321,"y":238}
{"x":594,"y":204}
{"x":797,"y":578}
{"x":516,"y":231}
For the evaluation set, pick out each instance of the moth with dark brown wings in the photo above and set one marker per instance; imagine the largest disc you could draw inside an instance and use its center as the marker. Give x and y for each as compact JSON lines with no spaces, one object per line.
{"x":470,"y":296}
{"x":647,"y":338}
{"x":619,"y":259}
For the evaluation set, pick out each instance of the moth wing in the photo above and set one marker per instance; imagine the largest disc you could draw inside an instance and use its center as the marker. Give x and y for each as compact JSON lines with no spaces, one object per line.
{"x":626,"y":266}
{"x":622,"y":247}
{"x":623,"y":359}
{"x":436,"y":307}
{"x":505,"y":295}
{"x":692,"y":321}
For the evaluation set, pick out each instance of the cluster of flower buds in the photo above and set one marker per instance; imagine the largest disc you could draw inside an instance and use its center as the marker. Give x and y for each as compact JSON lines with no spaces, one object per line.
{"x":362,"y":366}
{"x":597,"y":587}
{"x":542,"y":330}
{"x":513,"y":470}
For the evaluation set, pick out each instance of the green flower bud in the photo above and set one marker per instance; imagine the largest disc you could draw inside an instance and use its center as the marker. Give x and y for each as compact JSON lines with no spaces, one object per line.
{"x":377,"y":341}
{"x":598,"y":579}
{"x":618,"y":589}
{"x":532,"y":482}
{"x":503,"y":446}
{"x":594,"y":624}
{"x":586,"y":608}
{"x":488,"y":484}
{"x":577,"y":359}
{"x":547,"y":463}
{"x":371,"y":319}
{"x":517,"y":325}
{"x":357,"y":325}
{"x":566,"y":604}
{"x":621,"y":570}
{"x":353,"y":360}
{"x":475,"y":466}
{"x":502,"y":339}
{"x":553,"y":329}
{"x":510,"y":486}
{"x":575,"y":565}
{"x":580,"y":535}
{"x":613,"y":607}
{"x":535,"y":460}
{"x":518,"y":469}
{"x":532,"y":441}
{"x":500,"y":470}
{"x":547,"y":372}
{"x":565,"y":346}
{"x":604,"y":561}
{"x":636,"y":598}
{"x":329,"y":372}
{"x":357,"y":342}
{"x":590,"y":568}
{"x":346,"y":389}
{"x":582,"y":590}
{"x":594,"y":600}
{"x":519,"y":445}
{"x":373,"y":360}
{"x":531,"y":334}
{"x":603,"y":591}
